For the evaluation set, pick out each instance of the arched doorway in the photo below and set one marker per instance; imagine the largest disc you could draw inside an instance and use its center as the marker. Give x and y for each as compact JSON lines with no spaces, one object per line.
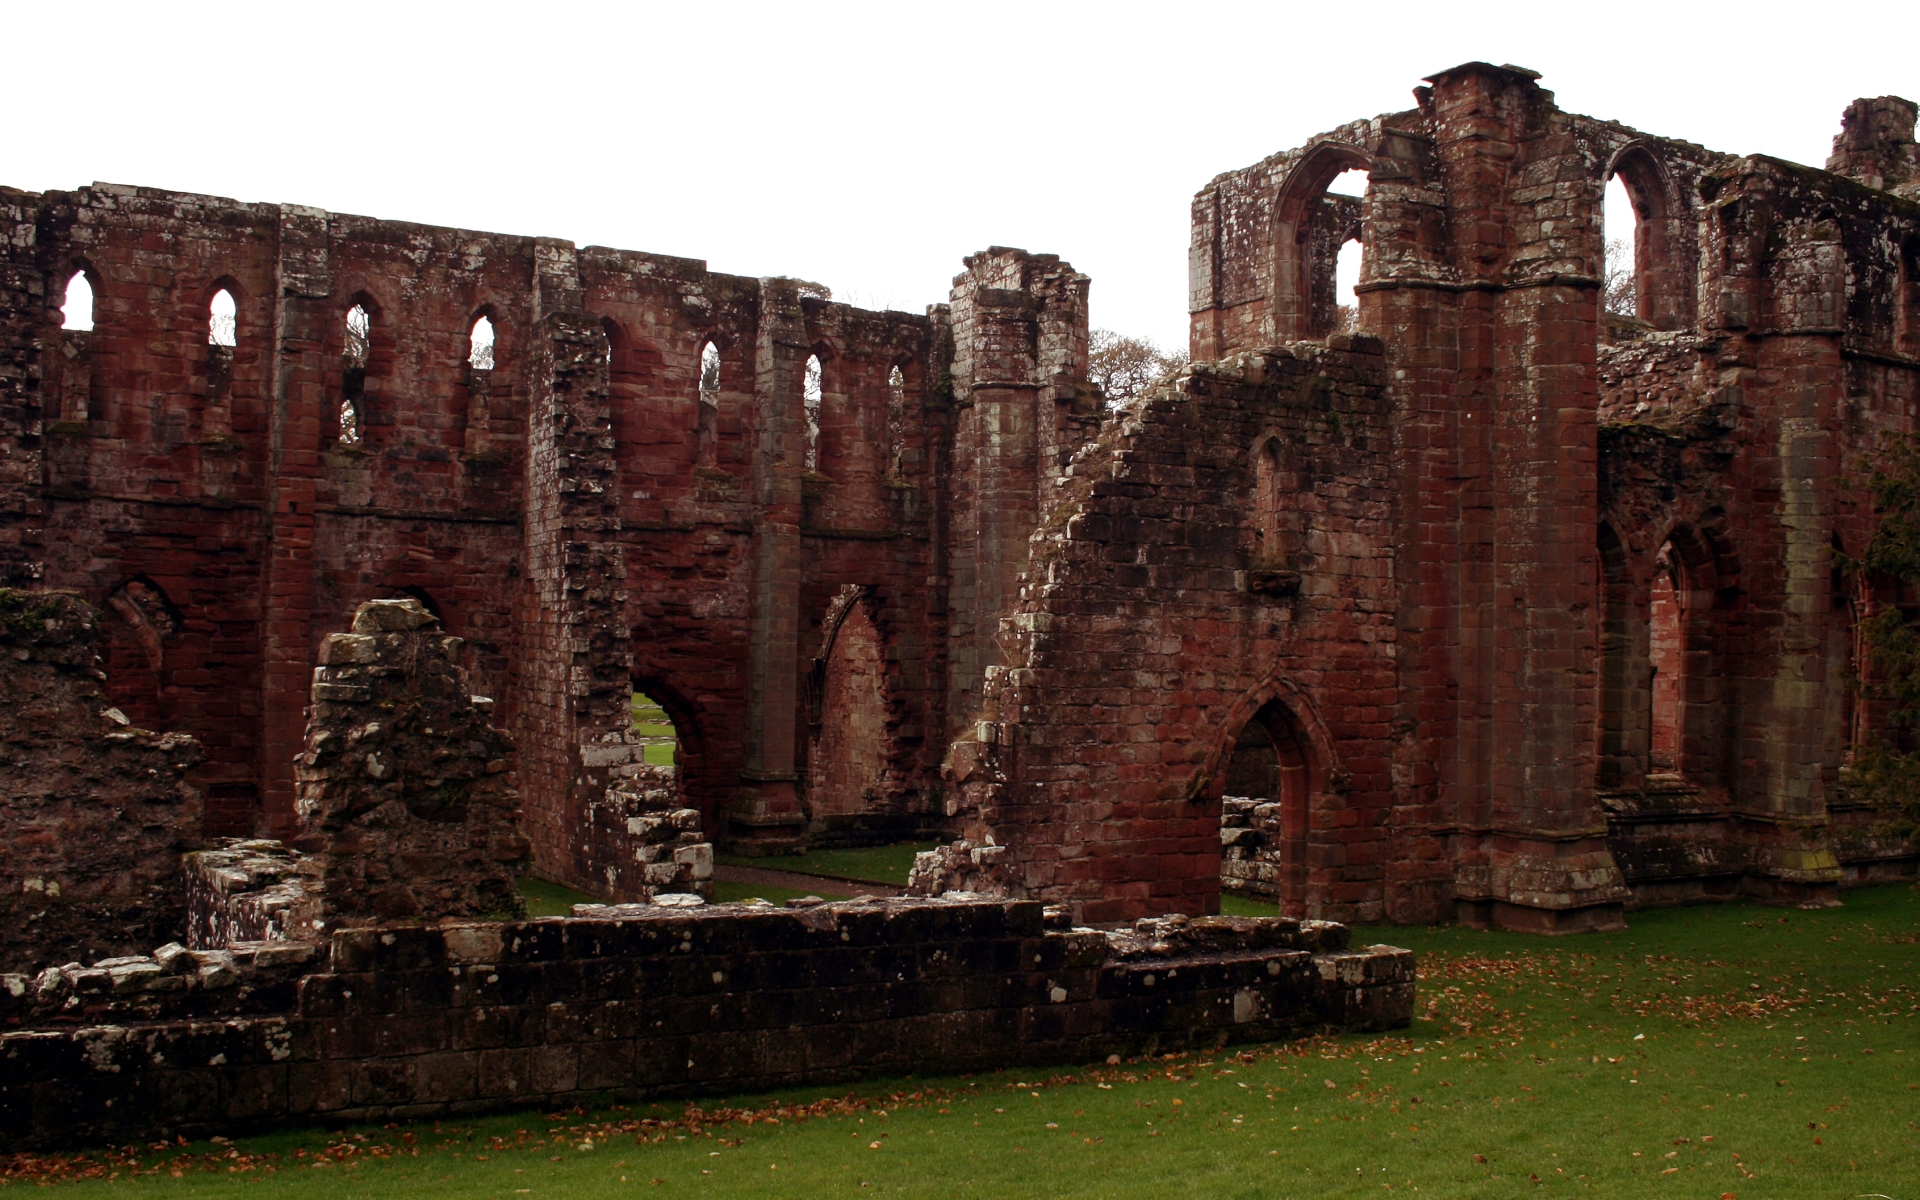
{"x":1264,"y":805}
{"x":848,"y":764}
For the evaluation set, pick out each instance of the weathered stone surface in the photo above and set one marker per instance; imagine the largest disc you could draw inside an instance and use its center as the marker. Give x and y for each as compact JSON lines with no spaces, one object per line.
{"x":94,"y":811}
{"x":405,"y":808}
{"x":947,"y":590}
{"x":709,"y":1000}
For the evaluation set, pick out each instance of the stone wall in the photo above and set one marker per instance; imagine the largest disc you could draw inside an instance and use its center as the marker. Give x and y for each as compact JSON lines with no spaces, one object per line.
{"x":409,"y":1022}
{"x":404,"y":805}
{"x":1168,"y":603}
{"x":1553,"y":463}
{"x":220,"y":484}
{"x":94,"y":812}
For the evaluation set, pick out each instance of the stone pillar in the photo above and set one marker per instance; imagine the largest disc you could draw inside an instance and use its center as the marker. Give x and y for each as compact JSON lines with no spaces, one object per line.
{"x":766,"y":813}
{"x":404,"y":805}
{"x":1784,"y":270}
{"x":1019,"y":357}
{"x":577,"y":682}
{"x":298,"y":421}
{"x":1532,"y":838}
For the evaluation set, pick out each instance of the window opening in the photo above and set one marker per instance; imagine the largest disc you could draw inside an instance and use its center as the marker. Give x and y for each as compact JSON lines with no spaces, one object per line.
{"x":221,"y":319}
{"x":1620,"y":228}
{"x":659,"y":741}
{"x":707,"y":420}
{"x":78,"y":307}
{"x":812,"y":395}
{"x":353,"y":372}
{"x":1666,"y":632}
{"x":896,"y":423}
{"x":1346,"y":277}
{"x":1346,"y":264}
{"x":480,"y":345}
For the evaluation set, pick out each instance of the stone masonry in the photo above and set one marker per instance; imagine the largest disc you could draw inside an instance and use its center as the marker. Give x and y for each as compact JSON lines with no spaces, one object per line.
{"x":403,"y":1023}
{"x":1517,"y":611}
{"x":404,"y":806}
{"x":94,"y":811}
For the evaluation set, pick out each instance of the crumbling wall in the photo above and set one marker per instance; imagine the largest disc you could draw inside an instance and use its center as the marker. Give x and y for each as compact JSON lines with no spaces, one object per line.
{"x":386,"y":1023}
{"x":1154,"y":623}
{"x":405,"y":807}
{"x":94,"y":812}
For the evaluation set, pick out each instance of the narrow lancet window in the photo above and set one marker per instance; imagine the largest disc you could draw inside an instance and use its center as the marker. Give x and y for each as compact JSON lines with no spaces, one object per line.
{"x":709,"y":374}
{"x":221,"y":320}
{"x":896,"y":423}
{"x":78,"y":308}
{"x":480,"y":345}
{"x":1620,"y":224}
{"x":353,"y":373}
{"x":812,"y":394}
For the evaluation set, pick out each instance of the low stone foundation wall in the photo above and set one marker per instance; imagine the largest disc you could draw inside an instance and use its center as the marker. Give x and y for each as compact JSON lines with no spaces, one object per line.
{"x":398,"y":1023}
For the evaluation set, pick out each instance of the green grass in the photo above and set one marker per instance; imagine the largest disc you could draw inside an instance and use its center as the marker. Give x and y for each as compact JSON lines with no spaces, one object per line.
{"x":1233,"y":905}
{"x":546,"y":899}
{"x":1764,"y":1053}
{"x":651,"y":721}
{"x":880,"y":864}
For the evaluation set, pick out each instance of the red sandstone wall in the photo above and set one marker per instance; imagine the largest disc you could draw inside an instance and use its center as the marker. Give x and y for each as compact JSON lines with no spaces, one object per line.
{"x":221,"y":481}
{"x":1140,"y":646}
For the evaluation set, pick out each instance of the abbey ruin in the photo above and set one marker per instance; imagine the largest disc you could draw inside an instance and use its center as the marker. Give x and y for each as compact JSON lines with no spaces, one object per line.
{"x":1497,"y":608}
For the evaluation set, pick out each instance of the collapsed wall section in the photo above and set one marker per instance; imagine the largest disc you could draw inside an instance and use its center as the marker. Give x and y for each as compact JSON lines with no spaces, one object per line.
{"x":94,"y":811}
{"x":1219,"y":558}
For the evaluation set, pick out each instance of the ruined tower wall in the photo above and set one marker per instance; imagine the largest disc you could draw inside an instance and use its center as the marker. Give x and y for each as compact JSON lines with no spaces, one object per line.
{"x":1545,"y":460}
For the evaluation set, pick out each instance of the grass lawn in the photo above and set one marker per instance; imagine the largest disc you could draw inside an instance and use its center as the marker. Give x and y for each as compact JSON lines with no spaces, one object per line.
{"x":1704,"y":1052}
{"x":653,"y":724}
{"x":881,"y":864}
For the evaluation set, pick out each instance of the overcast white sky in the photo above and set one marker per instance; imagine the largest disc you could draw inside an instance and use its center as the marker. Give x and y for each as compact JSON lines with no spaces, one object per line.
{"x":864,"y":146}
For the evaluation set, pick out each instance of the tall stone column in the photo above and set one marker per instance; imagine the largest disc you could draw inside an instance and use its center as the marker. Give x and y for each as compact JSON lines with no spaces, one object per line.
{"x":574,"y":722}
{"x":297,"y":424}
{"x":1019,"y":356}
{"x":766,"y":811}
{"x":1532,"y":838}
{"x":1781,"y":304}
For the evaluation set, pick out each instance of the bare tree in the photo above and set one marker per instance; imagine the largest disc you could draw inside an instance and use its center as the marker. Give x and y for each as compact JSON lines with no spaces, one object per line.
{"x":1618,"y":293}
{"x":1123,"y":367}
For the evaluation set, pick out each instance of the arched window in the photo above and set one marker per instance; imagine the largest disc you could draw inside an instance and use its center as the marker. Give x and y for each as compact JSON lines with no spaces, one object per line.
{"x":812,"y":393}
{"x":480,"y":345}
{"x":707,"y":416}
{"x":1906,"y":317}
{"x":1648,"y":271}
{"x":353,"y":373}
{"x":1667,"y":656}
{"x":1346,"y":264}
{"x":896,"y":423}
{"x":1276,"y":501}
{"x":222,"y":320}
{"x":78,"y":307}
{"x":1621,"y":225}
{"x":1321,"y":208}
